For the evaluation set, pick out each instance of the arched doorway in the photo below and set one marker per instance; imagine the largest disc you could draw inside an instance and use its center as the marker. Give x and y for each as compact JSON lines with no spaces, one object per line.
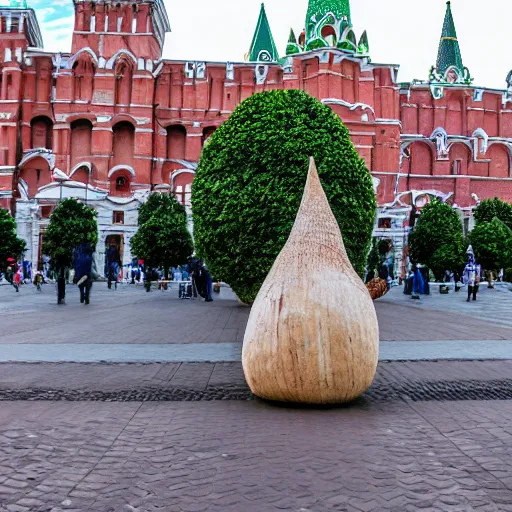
{"x":114,"y":249}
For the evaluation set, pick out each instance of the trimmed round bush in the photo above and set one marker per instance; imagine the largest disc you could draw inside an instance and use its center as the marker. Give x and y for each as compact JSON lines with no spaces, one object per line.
{"x":251,"y":177}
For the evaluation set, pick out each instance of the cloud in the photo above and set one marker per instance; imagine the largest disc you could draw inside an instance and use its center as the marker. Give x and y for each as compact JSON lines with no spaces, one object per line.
{"x":58,"y":23}
{"x":45,"y":13}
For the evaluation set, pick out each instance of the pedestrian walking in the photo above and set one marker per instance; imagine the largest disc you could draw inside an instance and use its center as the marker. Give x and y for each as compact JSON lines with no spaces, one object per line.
{"x":472,"y":275}
{"x":85,"y":271}
{"x":62,"y":272}
{"x":38,"y":280}
{"x":17,"y":280}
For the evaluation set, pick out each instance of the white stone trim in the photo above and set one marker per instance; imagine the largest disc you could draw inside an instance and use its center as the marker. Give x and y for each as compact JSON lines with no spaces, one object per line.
{"x":88,"y":165}
{"x":128,"y":168}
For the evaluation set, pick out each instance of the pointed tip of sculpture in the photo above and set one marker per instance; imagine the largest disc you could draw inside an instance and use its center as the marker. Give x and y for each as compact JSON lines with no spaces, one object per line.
{"x":313,"y":186}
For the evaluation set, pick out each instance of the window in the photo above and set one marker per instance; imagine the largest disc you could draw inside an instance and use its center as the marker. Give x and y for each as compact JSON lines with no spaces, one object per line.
{"x":124,"y":143}
{"x":456,"y":167}
{"x":384,"y":223}
{"x":121,"y":183}
{"x":46,"y":211}
{"x":118,"y":217}
{"x":41,"y":133}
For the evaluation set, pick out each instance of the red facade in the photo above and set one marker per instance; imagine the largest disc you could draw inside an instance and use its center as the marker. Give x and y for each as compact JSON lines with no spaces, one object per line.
{"x":117,"y":119}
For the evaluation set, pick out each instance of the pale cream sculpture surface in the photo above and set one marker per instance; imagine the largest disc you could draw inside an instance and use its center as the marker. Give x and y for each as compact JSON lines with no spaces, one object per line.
{"x":312,"y":334}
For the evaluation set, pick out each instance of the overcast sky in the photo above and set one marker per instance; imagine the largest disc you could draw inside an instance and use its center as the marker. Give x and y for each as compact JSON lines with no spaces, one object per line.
{"x":404,"y":32}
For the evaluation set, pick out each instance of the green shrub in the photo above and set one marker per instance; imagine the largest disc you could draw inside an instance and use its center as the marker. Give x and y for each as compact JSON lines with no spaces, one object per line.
{"x":492,"y":243}
{"x":71,"y":224}
{"x":251,"y":178}
{"x":437,"y":240}
{"x":488,"y":209}
{"x":11,"y":246}
{"x":163,"y":238}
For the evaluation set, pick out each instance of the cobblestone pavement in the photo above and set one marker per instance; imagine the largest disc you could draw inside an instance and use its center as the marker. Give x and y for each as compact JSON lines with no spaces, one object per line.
{"x":493,"y":306}
{"x":418,"y":381}
{"x":131,"y":316}
{"x":128,"y":315}
{"x":255,"y":457}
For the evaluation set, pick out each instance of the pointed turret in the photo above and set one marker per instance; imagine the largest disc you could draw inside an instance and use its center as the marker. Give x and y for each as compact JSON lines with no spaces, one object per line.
{"x":263,"y":48}
{"x":449,"y":51}
{"x":449,"y":66}
{"x":363,"y":46}
{"x":292,"y":47}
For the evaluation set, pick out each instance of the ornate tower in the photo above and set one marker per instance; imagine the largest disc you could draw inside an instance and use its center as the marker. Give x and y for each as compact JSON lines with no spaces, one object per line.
{"x":263,"y":48}
{"x":110,"y":26}
{"x":449,"y":67}
{"x":19,"y":30}
{"x":329,"y":25}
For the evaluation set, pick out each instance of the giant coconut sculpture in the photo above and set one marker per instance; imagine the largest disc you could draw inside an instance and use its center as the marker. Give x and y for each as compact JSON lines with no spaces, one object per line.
{"x":312,"y":335}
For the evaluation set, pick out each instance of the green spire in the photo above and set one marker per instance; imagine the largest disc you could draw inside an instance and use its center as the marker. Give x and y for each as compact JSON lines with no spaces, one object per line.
{"x":263,"y":48}
{"x":363,"y":46}
{"x":449,"y":67}
{"x":449,"y":51}
{"x":319,"y":8}
{"x":292,"y":48}
{"x":326,"y":22}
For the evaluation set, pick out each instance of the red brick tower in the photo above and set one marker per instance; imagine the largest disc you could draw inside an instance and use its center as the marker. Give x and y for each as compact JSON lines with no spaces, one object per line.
{"x":18,"y":31}
{"x":108,"y":27}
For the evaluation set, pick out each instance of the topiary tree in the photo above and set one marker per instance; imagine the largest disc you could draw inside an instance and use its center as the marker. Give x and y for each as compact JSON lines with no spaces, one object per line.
{"x":251,"y":177}
{"x":492,"y":243}
{"x":158,"y":204}
{"x":437,"y":240}
{"x":488,"y":209}
{"x":163,"y":238}
{"x":72,"y":223}
{"x":11,"y":246}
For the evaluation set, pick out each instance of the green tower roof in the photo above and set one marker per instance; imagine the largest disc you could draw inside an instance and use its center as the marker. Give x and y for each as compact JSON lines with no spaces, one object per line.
{"x":449,"y":51}
{"x":263,"y":48}
{"x":319,"y":8}
{"x":14,"y":4}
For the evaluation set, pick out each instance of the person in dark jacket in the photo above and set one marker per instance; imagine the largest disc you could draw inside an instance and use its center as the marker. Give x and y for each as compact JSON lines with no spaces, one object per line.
{"x":85,"y":272}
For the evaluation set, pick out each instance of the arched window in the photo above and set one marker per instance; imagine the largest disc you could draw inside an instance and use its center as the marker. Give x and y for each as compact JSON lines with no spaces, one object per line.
{"x":81,"y":141}
{"x":83,"y":70}
{"x":421,"y":158}
{"x":207,"y":133}
{"x":176,"y":142}
{"x":460,"y":156}
{"x":35,"y":173}
{"x":120,"y":183}
{"x":124,"y":142}
{"x":41,"y":133}
{"x":329,"y":34}
{"x":124,"y":78}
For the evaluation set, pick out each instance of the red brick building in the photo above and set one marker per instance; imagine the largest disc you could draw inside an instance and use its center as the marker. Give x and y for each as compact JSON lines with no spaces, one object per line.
{"x":120,"y":121}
